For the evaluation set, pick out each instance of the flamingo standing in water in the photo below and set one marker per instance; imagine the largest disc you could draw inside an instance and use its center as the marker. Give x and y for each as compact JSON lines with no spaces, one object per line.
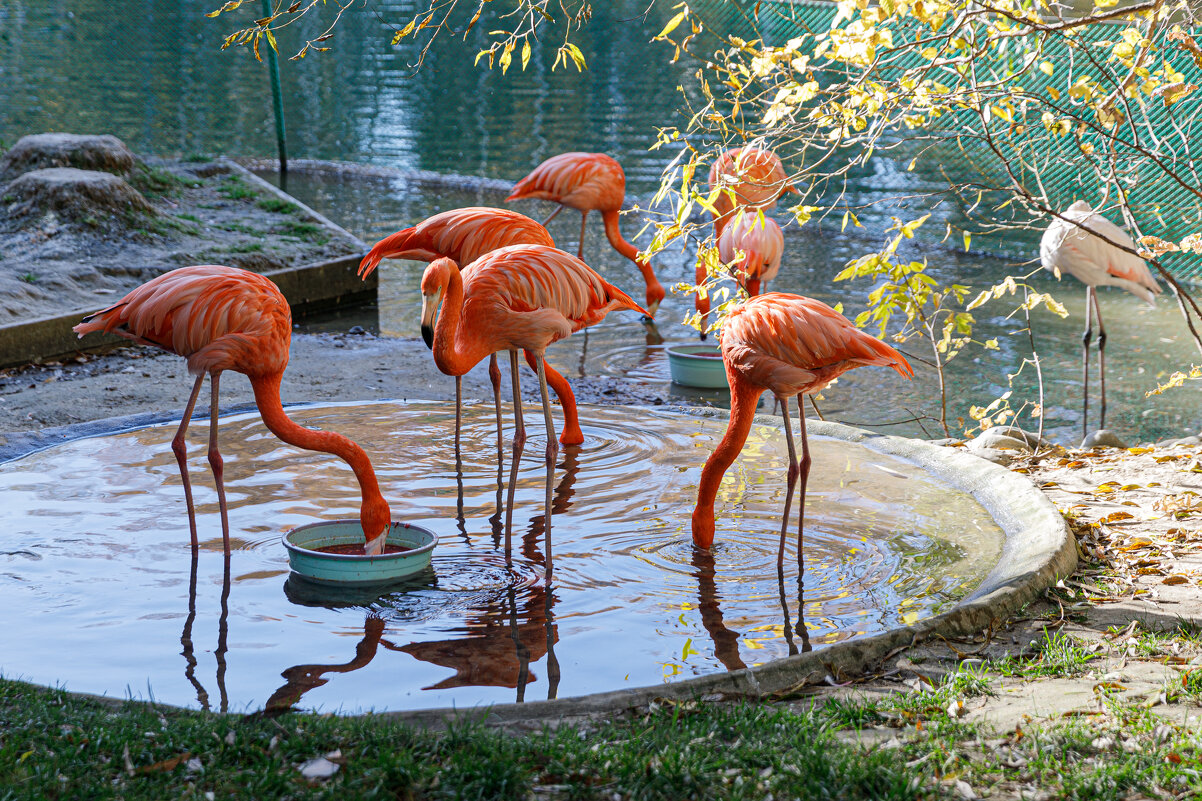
{"x":224,"y":318}
{"x":589,"y":182}
{"x":1094,"y":261}
{"x":790,"y":345}
{"x":750,"y":178}
{"x":464,"y":235}
{"x":520,"y":297}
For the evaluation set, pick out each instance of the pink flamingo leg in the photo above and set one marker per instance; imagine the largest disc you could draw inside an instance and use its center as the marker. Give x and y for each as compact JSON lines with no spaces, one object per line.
{"x":804,"y":478}
{"x":218,"y":465}
{"x":1097,"y":311}
{"x":583,"y":220}
{"x":494,"y":375}
{"x":519,"y":435}
{"x":180,"y":448}
{"x":552,"y":444}
{"x":572,"y":435}
{"x":1085,"y":337}
{"x":791,"y":481}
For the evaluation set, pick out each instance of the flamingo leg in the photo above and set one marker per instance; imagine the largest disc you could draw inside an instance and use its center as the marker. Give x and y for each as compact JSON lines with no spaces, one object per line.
{"x":803,"y":477}
{"x":458,"y":409}
{"x":1085,"y":360}
{"x":790,"y":484}
{"x":700,"y":274}
{"x":552,"y":444}
{"x":572,"y":435}
{"x":552,"y":217}
{"x":511,"y":491}
{"x":583,"y":220}
{"x":218,"y":465}
{"x":494,"y":375}
{"x":180,"y":448}
{"x":519,"y":435}
{"x":1097,"y":310}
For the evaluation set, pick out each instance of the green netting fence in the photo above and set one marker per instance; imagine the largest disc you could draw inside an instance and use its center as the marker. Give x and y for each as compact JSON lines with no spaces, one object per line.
{"x":1165,"y":206}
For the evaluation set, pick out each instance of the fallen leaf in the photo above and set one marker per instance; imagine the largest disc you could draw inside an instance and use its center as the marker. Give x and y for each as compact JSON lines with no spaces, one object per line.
{"x":1139,"y":451}
{"x":1175,"y":578}
{"x":1113,"y":516}
{"x":166,"y":764}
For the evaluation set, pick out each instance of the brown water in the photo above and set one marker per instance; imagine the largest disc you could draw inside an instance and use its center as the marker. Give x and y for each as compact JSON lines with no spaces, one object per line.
{"x":95,"y":562}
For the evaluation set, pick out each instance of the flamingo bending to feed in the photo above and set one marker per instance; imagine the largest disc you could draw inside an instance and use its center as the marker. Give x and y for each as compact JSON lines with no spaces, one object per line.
{"x":224,"y":318}
{"x":1094,"y":261}
{"x":464,"y":235}
{"x":761,"y":242}
{"x":790,"y":345}
{"x":750,"y":178}
{"x":520,"y":297}
{"x":589,"y":182}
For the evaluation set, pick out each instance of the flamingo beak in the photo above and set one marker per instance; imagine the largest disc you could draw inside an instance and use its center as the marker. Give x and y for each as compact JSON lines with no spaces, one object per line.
{"x":375,"y":547}
{"x":429,"y":314}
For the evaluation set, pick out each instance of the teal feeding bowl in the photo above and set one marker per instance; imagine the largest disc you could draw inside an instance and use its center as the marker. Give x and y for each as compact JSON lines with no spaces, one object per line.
{"x":334,"y":568}
{"x":697,"y":366}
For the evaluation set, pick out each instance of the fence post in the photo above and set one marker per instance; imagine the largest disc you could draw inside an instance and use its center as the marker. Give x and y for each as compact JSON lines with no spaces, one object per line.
{"x":277,"y":97}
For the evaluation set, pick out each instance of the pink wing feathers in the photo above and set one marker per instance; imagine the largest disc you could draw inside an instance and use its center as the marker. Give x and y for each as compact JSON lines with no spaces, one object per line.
{"x":755,"y":175}
{"x":211,"y":314}
{"x":461,"y":234}
{"x":761,"y":240}
{"x":790,"y":344}
{"x":1094,"y":259}
{"x":530,"y":277}
{"x":584,"y":181}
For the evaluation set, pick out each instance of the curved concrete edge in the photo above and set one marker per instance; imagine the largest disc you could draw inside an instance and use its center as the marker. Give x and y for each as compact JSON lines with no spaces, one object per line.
{"x":1039,"y":550}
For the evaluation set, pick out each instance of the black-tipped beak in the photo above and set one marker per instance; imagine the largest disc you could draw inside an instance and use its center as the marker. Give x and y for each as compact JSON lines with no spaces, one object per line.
{"x":428,"y":335}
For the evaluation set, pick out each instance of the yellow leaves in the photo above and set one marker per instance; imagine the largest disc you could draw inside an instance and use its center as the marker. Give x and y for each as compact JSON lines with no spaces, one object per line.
{"x":1193,"y":244}
{"x":672,"y":24}
{"x":1177,"y":379}
{"x":230,"y":6}
{"x":929,"y":53}
{"x":1059,"y":127}
{"x":1114,"y":517}
{"x":570,"y":51}
{"x":847,"y":215}
{"x":1046,"y":68}
{"x":1181,"y":505}
{"x":1139,"y":451}
{"x":1152,"y":246}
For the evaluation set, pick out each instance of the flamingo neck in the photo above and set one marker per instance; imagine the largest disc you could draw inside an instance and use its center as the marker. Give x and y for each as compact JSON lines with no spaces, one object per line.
{"x":267,"y":398}
{"x":455,"y":350}
{"x":743,"y":401}
{"x":655,"y":291}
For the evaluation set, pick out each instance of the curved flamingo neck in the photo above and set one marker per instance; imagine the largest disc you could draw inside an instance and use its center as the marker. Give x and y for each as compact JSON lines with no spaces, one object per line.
{"x":614,"y":235}
{"x":744,"y":398}
{"x":455,"y":351}
{"x":267,"y":398}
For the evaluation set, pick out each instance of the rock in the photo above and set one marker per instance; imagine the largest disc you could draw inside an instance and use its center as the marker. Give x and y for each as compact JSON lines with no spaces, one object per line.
{"x":995,"y":455}
{"x":1102,"y":438}
{"x":76,"y":196}
{"x":104,"y":153}
{"x":1011,"y":438}
{"x":1189,"y":442}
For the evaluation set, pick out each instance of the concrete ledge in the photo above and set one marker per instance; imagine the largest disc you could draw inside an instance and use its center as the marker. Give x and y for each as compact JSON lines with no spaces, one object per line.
{"x":308,"y":288}
{"x":1038,"y":551}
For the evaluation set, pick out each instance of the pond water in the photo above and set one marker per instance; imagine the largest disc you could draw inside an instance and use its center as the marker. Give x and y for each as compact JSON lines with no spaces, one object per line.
{"x":94,"y":562}
{"x":72,"y":66}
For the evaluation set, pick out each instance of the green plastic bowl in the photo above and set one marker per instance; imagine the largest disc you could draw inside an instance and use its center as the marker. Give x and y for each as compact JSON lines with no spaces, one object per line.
{"x":304,"y":558}
{"x":697,"y":366}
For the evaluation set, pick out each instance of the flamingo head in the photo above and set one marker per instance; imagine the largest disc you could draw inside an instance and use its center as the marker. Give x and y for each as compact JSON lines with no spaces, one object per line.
{"x":376,"y":518}
{"x":434,"y":285}
{"x":655,"y":296}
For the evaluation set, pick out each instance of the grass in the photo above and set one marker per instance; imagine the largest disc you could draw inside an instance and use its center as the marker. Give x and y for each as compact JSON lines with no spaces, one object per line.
{"x":155,"y":182}
{"x":304,"y":231}
{"x":235,"y":187}
{"x":1055,"y":655}
{"x":278,"y":206}
{"x":54,"y":746}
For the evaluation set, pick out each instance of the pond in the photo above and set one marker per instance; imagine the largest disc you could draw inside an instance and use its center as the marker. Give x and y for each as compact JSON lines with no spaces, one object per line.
{"x":68,"y":66}
{"x":604,"y":593}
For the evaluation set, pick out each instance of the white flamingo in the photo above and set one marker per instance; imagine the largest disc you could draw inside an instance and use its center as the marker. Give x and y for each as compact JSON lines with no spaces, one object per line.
{"x":1086,"y":245}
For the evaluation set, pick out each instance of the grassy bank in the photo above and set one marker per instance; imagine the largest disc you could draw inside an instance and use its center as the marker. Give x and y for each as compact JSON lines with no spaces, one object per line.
{"x":908,"y":745}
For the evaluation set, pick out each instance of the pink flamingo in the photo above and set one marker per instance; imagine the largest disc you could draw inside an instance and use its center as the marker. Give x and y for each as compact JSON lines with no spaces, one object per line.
{"x":223,"y":318}
{"x":749,"y":178}
{"x":464,"y":235}
{"x":1095,"y":262}
{"x":520,"y":297}
{"x":761,"y":242}
{"x":589,"y":182}
{"x":790,"y":345}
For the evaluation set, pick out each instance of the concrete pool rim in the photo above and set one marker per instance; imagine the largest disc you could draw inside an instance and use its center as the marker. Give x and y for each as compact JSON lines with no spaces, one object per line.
{"x":1038,"y":551}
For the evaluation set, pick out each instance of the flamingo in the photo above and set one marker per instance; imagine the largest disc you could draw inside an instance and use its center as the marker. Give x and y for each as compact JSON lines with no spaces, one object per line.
{"x":464,"y":235}
{"x":224,"y":318}
{"x":589,"y":182}
{"x":750,"y":178}
{"x":1077,"y":243}
{"x":759,"y":238}
{"x":520,"y":297}
{"x":790,"y":345}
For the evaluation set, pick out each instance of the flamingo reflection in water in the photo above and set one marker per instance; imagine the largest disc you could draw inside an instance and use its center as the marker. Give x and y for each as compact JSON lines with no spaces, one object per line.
{"x":223,"y":632}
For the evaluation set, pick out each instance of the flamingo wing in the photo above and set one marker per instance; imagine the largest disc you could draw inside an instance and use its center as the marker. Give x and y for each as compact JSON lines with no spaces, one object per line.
{"x":791,"y":344}
{"x":1094,"y":255}
{"x":585,"y":181}
{"x":212,"y":314}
